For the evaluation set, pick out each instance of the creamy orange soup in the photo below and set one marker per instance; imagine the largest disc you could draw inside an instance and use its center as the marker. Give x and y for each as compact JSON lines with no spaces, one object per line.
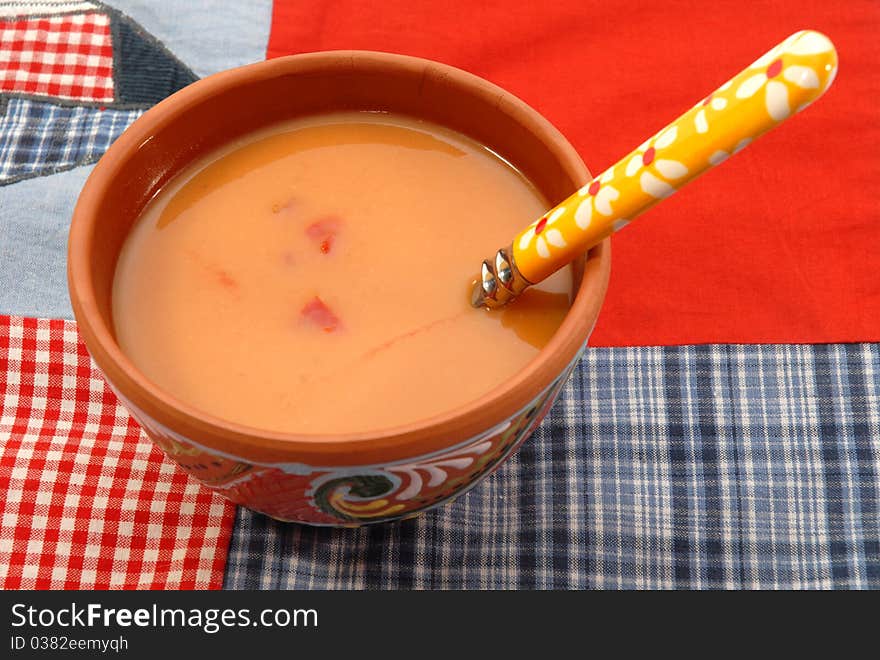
{"x":314,"y":278}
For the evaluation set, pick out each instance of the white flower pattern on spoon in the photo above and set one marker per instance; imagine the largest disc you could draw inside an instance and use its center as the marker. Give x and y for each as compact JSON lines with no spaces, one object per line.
{"x":599,"y":196}
{"x":774,"y":76}
{"x":544,"y":234}
{"x":648,"y":166}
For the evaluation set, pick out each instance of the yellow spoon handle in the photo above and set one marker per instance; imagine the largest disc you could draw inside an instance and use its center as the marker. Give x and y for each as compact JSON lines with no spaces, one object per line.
{"x":780,"y":83}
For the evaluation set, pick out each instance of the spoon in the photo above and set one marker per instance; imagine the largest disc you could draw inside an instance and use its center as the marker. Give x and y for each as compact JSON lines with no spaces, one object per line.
{"x":782,"y":82}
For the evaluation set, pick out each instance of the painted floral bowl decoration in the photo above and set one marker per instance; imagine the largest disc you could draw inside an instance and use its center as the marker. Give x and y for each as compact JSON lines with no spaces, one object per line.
{"x":354,"y":478}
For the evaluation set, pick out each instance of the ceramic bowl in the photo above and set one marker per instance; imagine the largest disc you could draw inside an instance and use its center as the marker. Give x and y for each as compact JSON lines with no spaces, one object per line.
{"x":360,"y":477}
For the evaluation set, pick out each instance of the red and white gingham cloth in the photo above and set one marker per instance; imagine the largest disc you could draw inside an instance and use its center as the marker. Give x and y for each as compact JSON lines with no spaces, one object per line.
{"x":87,"y":500}
{"x":67,"y":56}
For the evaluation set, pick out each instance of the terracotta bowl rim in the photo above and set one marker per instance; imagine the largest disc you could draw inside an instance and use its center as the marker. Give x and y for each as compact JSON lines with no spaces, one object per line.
{"x":415,"y":439}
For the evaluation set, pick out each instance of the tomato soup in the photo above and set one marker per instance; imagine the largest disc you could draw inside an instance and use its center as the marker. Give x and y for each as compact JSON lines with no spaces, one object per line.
{"x":314,"y":277}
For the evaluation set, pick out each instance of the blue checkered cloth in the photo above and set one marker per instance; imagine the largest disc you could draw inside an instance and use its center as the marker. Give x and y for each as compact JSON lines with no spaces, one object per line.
{"x":679,"y":467}
{"x":39,"y":138}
